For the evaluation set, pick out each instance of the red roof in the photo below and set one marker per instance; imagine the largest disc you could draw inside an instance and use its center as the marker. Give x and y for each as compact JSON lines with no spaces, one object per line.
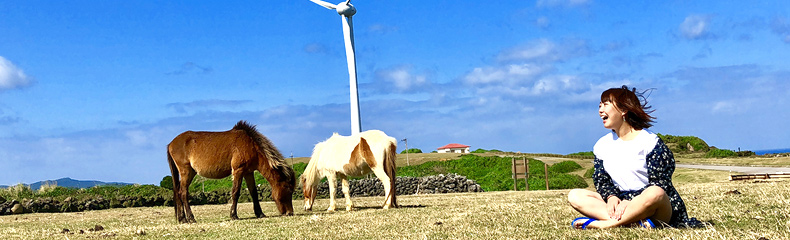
{"x":453,"y":145}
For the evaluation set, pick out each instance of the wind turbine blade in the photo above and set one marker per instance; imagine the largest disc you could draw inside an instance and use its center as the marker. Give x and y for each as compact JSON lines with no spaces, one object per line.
{"x":348,"y":35}
{"x":324,"y":4}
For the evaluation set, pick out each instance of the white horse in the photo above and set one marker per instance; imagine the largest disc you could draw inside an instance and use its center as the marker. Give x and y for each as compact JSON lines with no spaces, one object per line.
{"x":356,"y":155}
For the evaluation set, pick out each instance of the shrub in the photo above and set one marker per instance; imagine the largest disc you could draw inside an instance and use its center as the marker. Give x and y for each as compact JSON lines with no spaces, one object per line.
{"x":480,"y":150}
{"x":167,"y":182}
{"x":566,"y":181}
{"x":720,"y":153}
{"x":492,"y":173}
{"x":589,"y":173}
{"x":564,"y":167}
{"x":18,"y":191}
{"x":583,"y":154}
{"x":680,"y":144}
{"x":745,"y":153}
{"x":411,"y":150}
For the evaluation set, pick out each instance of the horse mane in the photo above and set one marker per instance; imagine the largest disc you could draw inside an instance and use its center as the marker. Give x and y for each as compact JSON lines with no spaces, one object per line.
{"x":265,"y":146}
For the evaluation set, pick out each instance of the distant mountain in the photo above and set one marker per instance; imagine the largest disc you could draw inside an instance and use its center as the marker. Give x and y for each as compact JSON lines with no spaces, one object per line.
{"x":68,"y":182}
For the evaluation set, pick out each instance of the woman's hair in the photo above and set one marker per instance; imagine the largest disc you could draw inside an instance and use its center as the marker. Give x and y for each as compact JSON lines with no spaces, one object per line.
{"x":625,"y":99}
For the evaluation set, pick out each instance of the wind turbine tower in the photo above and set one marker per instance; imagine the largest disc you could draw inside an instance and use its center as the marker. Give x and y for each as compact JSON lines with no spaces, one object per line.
{"x":346,"y":10}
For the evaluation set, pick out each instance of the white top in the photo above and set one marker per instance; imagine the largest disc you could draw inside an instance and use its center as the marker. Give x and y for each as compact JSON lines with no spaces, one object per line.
{"x":624,"y":161}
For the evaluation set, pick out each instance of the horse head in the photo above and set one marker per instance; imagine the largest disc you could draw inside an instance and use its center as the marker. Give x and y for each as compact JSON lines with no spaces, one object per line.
{"x":309,"y":191}
{"x":282,"y":193}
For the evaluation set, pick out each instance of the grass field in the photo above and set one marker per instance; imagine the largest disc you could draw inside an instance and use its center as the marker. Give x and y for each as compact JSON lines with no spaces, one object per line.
{"x":758,"y":211}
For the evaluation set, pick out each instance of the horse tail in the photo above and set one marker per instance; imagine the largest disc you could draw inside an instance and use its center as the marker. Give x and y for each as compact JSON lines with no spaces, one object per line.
{"x":389,"y":167}
{"x":310,"y":174}
{"x":176,"y":179}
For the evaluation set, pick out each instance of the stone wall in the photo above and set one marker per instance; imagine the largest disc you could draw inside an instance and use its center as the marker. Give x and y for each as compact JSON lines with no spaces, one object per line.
{"x":450,"y":183}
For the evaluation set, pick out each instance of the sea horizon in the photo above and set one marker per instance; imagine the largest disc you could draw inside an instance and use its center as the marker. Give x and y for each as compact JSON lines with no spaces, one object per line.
{"x":772,"y":151}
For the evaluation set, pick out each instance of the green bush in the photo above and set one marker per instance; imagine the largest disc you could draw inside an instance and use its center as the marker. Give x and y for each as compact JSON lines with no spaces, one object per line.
{"x":564,"y":167}
{"x":583,"y":154}
{"x":589,"y":173}
{"x":745,"y":153}
{"x":566,"y":181}
{"x":492,"y":173}
{"x":480,"y":150}
{"x":720,"y":153}
{"x":167,"y":182}
{"x":411,"y":150}
{"x":679,"y":144}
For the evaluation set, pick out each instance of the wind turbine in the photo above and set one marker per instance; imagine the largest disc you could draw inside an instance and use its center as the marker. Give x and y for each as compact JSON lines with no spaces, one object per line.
{"x":346,"y":10}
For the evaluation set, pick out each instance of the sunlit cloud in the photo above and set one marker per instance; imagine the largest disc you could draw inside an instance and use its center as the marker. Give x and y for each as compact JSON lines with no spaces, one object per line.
{"x":695,"y":27}
{"x":11,"y":76}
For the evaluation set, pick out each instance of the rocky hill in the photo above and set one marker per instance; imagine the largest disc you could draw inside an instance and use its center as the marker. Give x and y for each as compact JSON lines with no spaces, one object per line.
{"x":72,"y":183}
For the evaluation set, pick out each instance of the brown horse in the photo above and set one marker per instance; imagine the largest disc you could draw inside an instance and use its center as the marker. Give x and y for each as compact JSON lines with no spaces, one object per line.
{"x":238,"y":152}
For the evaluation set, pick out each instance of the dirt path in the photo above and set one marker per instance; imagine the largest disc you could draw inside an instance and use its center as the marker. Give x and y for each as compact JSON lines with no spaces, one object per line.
{"x":739,"y":169}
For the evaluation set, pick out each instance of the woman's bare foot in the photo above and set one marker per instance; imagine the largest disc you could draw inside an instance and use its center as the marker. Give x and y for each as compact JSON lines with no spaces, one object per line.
{"x":602,"y":224}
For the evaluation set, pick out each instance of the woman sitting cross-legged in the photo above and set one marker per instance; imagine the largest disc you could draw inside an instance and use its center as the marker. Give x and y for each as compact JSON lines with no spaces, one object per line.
{"x":633,"y":171}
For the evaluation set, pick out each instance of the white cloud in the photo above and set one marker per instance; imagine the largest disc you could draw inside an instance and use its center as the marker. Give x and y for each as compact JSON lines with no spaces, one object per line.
{"x":695,"y":26}
{"x":544,"y":50}
{"x":184,"y":107}
{"x":510,"y":74}
{"x":540,"y":49}
{"x":543,"y":22}
{"x":382,"y":29}
{"x":11,"y":76}
{"x":401,"y":79}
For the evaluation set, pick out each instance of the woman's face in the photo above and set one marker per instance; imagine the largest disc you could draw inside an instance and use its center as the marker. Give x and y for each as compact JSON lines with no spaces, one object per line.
{"x":611,"y":116}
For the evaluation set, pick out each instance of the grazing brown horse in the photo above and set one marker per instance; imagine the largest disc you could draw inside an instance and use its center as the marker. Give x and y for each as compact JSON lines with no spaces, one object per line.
{"x":238,"y":152}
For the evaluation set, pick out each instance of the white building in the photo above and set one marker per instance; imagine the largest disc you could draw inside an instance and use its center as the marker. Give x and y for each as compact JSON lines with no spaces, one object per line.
{"x":453,"y":148}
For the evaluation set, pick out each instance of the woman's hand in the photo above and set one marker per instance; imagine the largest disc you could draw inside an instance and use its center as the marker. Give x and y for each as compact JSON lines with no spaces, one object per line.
{"x":611,"y":206}
{"x":618,"y":213}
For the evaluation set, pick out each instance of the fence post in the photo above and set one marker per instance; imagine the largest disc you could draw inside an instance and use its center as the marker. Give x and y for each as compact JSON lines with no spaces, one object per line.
{"x":526,"y":173}
{"x":513,"y":165}
{"x":546,"y":174}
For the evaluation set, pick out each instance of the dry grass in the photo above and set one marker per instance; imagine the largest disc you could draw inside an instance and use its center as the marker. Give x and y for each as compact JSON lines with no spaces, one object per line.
{"x":759,"y":211}
{"x":740,"y":161}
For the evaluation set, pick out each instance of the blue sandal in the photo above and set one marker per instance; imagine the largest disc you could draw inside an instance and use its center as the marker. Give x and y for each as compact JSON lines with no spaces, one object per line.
{"x":584,"y":226}
{"x":647,"y":223}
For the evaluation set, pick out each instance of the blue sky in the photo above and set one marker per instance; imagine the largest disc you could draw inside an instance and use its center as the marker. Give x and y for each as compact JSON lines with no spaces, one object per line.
{"x":96,"y":89}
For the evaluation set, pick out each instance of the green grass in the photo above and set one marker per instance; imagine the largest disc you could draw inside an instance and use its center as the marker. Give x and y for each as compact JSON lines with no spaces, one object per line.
{"x":680,"y":144}
{"x":720,"y":153}
{"x":494,"y":173}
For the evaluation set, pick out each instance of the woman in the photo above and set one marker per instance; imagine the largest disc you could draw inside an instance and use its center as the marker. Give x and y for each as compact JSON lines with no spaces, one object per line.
{"x":633,"y":171}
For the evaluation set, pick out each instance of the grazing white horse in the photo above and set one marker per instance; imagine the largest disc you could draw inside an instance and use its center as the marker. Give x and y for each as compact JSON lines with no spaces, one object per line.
{"x":356,"y":155}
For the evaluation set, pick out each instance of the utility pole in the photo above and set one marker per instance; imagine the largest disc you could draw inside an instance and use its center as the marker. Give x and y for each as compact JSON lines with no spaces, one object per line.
{"x":405,"y":141}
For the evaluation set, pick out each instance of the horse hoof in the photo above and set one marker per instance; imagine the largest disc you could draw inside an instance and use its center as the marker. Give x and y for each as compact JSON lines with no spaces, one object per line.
{"x":348,"y":209}
{"x":234,"y":218}
{"x":260,"y":216}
